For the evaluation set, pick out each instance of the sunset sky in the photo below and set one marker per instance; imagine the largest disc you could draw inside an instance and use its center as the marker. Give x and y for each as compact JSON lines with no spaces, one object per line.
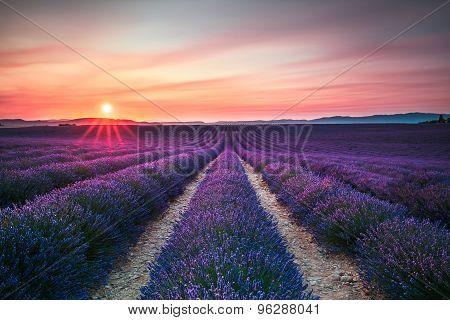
{"x":222,"y":60}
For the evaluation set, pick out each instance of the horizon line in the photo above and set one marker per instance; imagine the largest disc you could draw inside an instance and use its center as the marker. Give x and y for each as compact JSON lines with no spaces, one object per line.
{"x":217,"y":121}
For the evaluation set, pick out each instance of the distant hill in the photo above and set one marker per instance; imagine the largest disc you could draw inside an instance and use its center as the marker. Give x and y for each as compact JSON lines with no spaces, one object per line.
{"x":16,"y":123}
{"x":391,"y":118}
{"x":99,"y":121}
{"x":185,"y":123}
{"x":406,"y":118}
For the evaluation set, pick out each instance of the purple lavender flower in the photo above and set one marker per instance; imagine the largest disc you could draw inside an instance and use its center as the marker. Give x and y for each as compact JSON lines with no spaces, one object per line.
{"x":226,"y":246}
{"x":408,"y":258}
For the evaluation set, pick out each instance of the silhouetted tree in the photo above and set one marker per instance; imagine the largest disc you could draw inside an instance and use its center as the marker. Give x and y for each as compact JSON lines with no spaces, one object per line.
{"x":441,"y":119}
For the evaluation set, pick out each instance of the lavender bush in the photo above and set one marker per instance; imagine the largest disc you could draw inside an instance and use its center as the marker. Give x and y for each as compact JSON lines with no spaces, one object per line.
{"x":408,"y":258}
{"x":400,"y":164}
{"x":337,"y":214}
{"x":60,"y":244}
{"x":426,"y":193}
{"x":16,"y":186}
{"x":41,"y":157}
{"x":24,"y":163}
{"x":20,"y":152}
{"x":226,"y":246}
{"x":42,"y":256}
{"x":344,"y":216}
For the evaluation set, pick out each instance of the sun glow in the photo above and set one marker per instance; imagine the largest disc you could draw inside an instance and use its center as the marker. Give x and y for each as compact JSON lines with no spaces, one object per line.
{"x":106,"y":108}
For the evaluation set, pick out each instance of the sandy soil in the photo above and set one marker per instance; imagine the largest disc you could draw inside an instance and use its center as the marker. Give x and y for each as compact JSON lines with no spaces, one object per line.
{"x":330,"y":276}
{"x":131,"y":273}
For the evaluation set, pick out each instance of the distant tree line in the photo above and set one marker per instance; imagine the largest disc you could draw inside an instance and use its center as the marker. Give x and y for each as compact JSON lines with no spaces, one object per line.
{"x":440,"y":120}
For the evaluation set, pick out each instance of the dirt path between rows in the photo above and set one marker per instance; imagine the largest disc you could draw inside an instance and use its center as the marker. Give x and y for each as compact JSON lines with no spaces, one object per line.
{"x":330,"y":276}
{"x":131,"y":273}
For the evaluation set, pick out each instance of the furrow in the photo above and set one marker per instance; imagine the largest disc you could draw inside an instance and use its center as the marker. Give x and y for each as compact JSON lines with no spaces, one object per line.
{"x":131,"y":273}
{"x":331,"y":276}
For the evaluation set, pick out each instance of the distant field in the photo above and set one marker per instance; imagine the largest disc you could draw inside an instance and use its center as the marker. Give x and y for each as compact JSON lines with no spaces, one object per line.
{"x":225,"y":212}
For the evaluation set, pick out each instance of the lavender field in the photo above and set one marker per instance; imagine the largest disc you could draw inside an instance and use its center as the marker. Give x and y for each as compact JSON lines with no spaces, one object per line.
{"x":225,"y":212}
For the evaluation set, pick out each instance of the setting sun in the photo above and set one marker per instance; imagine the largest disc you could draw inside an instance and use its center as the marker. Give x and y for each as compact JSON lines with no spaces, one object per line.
{"x":106,"y":108}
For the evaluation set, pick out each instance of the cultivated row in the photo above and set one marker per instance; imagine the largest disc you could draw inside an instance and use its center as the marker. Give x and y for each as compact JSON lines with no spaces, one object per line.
{"x":225,"y":246}
{"x":57,"y":156}
{"x":41,"y":155}
{"x":16,"y":186}
{"x":405,"y":256}
{"x":32,"y":150}
{"x":64,"y":242}
{"x":422,"y":186}
{"x":425,"y":192}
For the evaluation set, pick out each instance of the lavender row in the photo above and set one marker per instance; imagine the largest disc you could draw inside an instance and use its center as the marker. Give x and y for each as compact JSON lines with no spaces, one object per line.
{"x":335,"y":212}
{"x":25,"y":163}
{"x":17,"y":186}
{"x":28,"y":154}
{"x":60,"y":156}
{"x":426,"y":193}
{"x":15,"y":160}
{"x":225,"y":246}
{"x":62,"y":243}
{"x":407,"y":257}
{"x":38,"y":149}
{"x":420,"y":185}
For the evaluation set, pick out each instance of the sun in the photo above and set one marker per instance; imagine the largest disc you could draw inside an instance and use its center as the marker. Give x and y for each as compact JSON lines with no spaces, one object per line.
{"x":106,"y":108}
